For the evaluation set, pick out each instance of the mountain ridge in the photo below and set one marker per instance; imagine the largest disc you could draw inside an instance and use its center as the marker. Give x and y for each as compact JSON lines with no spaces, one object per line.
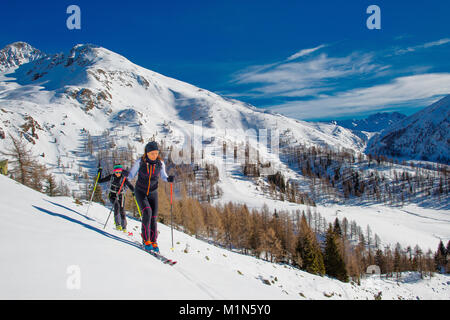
{"x":424,"y":135}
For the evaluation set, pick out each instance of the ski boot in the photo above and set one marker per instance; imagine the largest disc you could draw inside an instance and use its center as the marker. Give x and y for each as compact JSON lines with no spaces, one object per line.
{"x":155,"y":247}
{"x":148,"y":245}
{"x":151,"y":246}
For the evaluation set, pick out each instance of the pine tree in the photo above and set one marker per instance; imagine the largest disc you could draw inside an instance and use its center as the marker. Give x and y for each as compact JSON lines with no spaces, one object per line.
{"x":379,"y":260}
{"x":447,"y":255}
{"x":440,"y":257}
{"x":337,"y":228}
{"x":308,"y":250}
{"x":333,"y":261}
{"x":397,"y":259}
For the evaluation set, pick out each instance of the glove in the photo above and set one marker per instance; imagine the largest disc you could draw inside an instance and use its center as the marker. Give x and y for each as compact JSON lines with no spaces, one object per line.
{"x":99,"y":172}
{"x":170,"y":179}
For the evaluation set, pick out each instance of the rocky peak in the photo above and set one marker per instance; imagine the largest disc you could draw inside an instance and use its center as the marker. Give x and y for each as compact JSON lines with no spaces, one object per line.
{"x":18,"y":53}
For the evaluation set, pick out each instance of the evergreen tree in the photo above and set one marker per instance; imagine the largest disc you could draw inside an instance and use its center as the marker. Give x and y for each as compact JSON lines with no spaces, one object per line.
{"x":440,"y":257}
{"x":379,"y":260}
{"x":334,"y":262}
{"x":337,"y":228}
{"x":308,"y":250}
{"x":447,"y":255}
{"x":397,"y":259}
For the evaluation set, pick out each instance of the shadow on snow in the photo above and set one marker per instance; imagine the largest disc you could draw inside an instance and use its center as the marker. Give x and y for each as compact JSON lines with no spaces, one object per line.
{"x":67,"y":208}
{"x":87,"y":226}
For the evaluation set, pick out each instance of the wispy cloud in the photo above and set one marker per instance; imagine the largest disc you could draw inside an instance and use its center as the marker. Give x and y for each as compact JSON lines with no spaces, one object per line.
{"x":311,"y":76}
{"x":418,"y":90}
{"x":305,"y":52}
{"x":423,"y":46}
{"x":323,"y":86}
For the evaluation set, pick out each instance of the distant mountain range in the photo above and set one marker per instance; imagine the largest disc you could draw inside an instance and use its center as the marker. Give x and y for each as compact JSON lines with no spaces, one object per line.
{"x":374,"y":123}
{"x":424,"y":135}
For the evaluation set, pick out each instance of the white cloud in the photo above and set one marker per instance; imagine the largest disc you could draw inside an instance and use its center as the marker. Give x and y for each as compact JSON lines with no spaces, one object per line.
{"x":305,"y":52}
{"x":312,"y":76}
{"x":314,"y":81}
{"x":423,"y":46}
{"x":419,"y":90}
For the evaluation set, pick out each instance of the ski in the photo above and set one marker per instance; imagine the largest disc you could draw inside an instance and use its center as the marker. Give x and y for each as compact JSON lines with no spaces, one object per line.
{"x":160,"y":257}
{"x":163,"y":259}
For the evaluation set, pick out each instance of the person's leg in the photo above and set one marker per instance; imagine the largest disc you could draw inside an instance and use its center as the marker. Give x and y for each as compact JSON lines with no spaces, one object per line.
{"x":112,"y":199}
{"x":123,"y":216}
{"x":153,"y":201}
{"x":116,"y":205}
{"x":146,"y":212}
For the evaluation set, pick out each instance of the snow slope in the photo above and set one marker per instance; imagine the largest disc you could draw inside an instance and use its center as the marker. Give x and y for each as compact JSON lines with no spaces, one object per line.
{"x":43,"y":238}
{"x":423,"y":135}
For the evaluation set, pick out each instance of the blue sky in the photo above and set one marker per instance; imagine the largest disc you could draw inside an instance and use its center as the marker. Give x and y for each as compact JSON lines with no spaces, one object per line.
{"x":311,"y":60}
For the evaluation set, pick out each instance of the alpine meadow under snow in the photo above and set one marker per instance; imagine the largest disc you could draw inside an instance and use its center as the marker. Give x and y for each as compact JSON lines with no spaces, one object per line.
{"x":88,"y":106}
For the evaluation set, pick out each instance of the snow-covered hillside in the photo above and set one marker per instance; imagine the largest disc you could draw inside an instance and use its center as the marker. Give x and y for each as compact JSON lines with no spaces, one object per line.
{"x":50,"y":249}
{"x":55,"y":100}
{"x":423,"y":135}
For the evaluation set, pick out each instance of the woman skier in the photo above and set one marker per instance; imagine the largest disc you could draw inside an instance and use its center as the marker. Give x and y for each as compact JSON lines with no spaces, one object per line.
{"x":116,"y":194}
{"x":149,"y":168}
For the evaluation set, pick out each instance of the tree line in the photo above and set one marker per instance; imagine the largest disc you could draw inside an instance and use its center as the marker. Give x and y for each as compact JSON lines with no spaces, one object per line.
{"x":342,"y":250}
{"x":343,"y":174}
{"x":27,"y":170}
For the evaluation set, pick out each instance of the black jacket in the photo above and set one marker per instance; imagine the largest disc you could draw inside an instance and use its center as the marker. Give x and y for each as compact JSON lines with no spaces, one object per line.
{"x":116,"y":182}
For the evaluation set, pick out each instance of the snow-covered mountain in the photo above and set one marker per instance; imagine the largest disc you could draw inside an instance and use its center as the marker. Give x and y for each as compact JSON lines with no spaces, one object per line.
{"x":424,"y":135}
{"x":106,"y":85}
{"x":55,"y":251}
{"x":18,"y":53}
{"x":373,"y":123}
{"x":54,"y":100}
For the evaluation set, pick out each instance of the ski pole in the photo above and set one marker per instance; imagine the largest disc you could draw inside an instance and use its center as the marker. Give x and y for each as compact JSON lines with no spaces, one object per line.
{"x":92,"y":196}
{"x":114,"y":204}
{"x":171,"y":215}
{"x":118,"y":193}
{"x":139,"y":210}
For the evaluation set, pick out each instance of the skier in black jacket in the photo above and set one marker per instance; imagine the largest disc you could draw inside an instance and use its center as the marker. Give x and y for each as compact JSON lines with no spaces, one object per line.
{"x":149,"y":168}
{"x":116,"y":194}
